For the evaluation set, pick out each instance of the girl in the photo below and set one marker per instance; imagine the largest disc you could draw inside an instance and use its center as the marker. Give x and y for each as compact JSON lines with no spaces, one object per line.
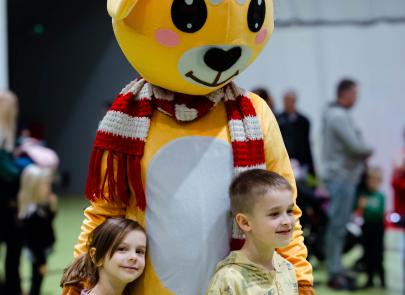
{"x":10,"y":230}
{"x":37,"y":209}
{"x":115,"y":258}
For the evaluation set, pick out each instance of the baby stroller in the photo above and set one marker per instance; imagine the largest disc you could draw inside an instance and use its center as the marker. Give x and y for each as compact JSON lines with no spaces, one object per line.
{"x":312,"y":200}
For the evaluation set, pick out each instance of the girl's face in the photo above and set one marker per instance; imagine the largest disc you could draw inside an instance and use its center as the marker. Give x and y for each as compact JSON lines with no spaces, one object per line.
{"x":128,"y":261}
{"x":44,"y":189}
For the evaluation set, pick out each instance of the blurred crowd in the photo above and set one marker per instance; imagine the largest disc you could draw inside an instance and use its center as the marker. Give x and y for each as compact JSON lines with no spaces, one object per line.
{"x":27,"y":203}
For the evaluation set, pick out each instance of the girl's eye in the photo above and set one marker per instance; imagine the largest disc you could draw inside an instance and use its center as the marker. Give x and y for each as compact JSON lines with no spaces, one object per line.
{"x":290,"y":211}
{"x":141,"y":252}
{"x":122,"y":248}
{"x":273,"y":214}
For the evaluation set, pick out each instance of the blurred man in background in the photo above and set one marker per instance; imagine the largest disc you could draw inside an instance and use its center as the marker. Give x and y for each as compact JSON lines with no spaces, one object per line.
{"x":343,"y":158}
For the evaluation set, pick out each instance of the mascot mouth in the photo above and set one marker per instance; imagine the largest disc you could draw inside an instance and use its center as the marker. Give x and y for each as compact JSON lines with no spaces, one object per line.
{"x":214,"y":83}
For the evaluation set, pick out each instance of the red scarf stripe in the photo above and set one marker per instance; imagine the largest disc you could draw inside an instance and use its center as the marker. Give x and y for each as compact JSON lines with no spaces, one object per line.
{"x":232,"y":110}
{"x":126,"y":104}
{"x":246,"y":107}
{"x":248,"y":153}
{"x":119,"y":144}
{"x":166,"y":105}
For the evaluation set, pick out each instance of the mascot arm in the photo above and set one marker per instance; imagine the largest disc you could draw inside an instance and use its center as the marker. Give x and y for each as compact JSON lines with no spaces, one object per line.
{"x":277,"y":160}
{"x":97,"y":212}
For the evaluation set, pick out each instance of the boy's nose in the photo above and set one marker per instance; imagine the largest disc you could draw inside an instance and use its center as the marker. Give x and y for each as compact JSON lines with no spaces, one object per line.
{"x":220,"y":60}
{"x":286,"y":220}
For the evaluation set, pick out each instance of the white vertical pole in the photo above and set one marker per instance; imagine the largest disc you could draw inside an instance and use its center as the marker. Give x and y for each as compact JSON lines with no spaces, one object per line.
{"x":3,"y":45}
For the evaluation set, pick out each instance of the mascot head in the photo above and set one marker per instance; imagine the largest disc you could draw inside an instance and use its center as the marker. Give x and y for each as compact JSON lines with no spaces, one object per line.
{"x":191,"y":46}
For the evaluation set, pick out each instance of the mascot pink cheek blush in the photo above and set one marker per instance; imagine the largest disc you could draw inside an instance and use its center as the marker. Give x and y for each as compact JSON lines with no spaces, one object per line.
{"x":167,"y":37}
{"x":261,"y":36}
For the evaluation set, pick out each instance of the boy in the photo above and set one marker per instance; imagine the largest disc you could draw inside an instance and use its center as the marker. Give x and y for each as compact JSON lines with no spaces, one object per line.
{"x":262,"y":205}
{"x":372,"y":205}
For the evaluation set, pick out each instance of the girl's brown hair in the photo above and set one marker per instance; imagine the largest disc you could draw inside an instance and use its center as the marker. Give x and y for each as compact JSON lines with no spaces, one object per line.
{"x":105,"y":239}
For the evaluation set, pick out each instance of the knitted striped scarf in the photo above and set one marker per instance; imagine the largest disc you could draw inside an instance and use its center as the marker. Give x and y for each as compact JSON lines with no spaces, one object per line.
{"x":124,"y":130}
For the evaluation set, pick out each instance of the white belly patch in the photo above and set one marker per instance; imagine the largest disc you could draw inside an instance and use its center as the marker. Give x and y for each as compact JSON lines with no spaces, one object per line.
{"x":187,"y":215}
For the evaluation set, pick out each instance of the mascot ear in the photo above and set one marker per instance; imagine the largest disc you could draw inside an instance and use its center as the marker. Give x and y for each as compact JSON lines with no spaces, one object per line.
{"x":119,"y":9}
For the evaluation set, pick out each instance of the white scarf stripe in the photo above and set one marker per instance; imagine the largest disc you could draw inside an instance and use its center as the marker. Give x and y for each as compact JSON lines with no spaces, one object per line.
{"x":229,"y":95}
{"x":216,"y":96}
{"x":163,"y":94}
{"x":185,"y":114}
{"x":237,"y":130}
{"x":133,"y":86}
{"x":253,"y":130}
{"x":121,"y":124}
{"x":145,"y":92}
{"x":239,"y":170}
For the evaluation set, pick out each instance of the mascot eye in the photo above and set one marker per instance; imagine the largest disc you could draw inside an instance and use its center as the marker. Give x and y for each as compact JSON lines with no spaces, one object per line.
{"x":256,"y":15}
{"x":189,"y":15}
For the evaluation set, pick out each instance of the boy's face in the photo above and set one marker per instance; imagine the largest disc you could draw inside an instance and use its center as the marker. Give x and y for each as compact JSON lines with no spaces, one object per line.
{"x":271,"y":222}
{"x":374,"y":181}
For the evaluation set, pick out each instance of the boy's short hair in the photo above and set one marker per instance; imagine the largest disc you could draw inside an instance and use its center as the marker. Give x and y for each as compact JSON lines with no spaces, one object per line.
{"x":374,"y":171}
{"x":251,"y":184}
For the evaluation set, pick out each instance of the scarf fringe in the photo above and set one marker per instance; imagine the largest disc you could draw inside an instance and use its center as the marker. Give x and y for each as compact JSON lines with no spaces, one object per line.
{"x":128,"y":171}
{"x":135,"y":180}
{"x":92,"y":189}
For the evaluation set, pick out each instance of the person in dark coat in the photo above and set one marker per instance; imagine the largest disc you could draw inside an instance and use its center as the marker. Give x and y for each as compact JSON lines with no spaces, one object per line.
{"x":295,"y":128}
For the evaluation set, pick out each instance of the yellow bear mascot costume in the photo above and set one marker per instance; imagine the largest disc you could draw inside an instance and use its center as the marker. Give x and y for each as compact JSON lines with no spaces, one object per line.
{"x":167,"y":149}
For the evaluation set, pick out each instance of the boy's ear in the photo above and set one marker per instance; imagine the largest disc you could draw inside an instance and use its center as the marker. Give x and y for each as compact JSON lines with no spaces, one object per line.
{"x":119,"y":9}
{"x":243,"y":222}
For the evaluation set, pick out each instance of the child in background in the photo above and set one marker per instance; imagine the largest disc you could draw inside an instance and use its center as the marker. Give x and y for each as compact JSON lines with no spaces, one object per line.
{"x":115,"y":258}
{"x":262,"y":204}
{"x":371,"y":204}
{"x":37,"y":208}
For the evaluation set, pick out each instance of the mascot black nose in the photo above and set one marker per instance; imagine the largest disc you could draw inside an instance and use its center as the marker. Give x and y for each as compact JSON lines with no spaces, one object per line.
{"x":220,"y":60}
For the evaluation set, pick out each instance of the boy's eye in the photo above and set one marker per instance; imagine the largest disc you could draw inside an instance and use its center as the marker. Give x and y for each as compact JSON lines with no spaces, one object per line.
{"x":256,"y":15}
{"x":189,"y":16}
{"x":273,"y":214}
{"x":290,"y":211}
